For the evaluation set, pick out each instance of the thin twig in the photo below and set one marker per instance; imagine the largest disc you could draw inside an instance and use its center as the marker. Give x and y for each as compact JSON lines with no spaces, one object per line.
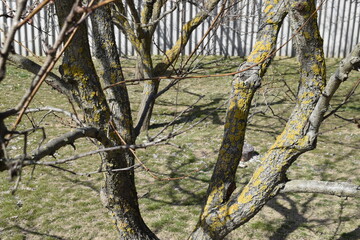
{"x":346,"y":100}
{"x":35,"y":11}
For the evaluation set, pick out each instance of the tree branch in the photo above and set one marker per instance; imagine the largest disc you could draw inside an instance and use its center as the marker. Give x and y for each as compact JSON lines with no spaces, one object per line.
{"x":341,"y":189}
{"x":51,"y":59}
{"x":147,"y":11}
{"x":172,"y":54}
{"x":120,"y":20}
{"x":53,"y":109}
{"x":156,"y":14}
{"x":351,"y":62}
{"x":157,"y":18}
{"x":134,"y":12}
{"x":67,"y":139}
{"x":52,"y":79}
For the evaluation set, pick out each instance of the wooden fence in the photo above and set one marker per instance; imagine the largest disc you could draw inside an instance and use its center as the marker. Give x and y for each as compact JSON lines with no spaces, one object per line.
{"x":338,"y":20}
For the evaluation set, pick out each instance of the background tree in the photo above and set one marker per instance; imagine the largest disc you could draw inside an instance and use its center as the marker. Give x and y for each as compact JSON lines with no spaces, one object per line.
{"x":102,"y":100}
{"x":145,"y":20}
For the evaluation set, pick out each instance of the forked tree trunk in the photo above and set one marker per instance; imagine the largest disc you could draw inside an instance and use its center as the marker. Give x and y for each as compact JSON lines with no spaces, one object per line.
{"x":223,"y":210}
{"x":119,"y":192}
{"x":151,"y":87}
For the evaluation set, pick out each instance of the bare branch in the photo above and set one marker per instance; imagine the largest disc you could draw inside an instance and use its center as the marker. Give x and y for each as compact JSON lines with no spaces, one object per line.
{"x":67,"y":139}
{"x":341,"y":189}
{"x":120,"y":20}
{"x":36,"y":10}
{"x":173,"y":53}
{"x":101,"y":150}
{"x":159,"y":18}
{"x":90,"y":173}
{"x":346,"y":100}
{"x":52,"y":109}
{"x":147,"y":11}
{"x":134,"y":12}
{"x":351,"y":62}
{"x":45,"y":69}
{"x":52,"y":79}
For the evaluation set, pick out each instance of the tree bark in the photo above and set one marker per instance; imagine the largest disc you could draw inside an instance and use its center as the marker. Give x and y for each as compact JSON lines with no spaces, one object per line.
{"x":341,"y":189}
{"x":244,"y":85}
{"x":100,"y":109}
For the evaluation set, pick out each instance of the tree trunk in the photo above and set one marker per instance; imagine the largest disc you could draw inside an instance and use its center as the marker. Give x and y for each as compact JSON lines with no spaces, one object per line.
{"x":145,"y":70}
{"x":223,"y":211}
{"x":119,"y":193}
{"x":244,"y":85}
{"x":146,"y":106}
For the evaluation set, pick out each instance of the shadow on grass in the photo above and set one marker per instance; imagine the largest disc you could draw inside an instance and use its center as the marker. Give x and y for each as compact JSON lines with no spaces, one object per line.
{"x":294,"y":219}
{"x":76,"y":181}
{"x":188,"y":191}
{"x":354,"y":235}
{"x":195,"y":112}
{"x":293,"y":216}
{"x":28,"y":231}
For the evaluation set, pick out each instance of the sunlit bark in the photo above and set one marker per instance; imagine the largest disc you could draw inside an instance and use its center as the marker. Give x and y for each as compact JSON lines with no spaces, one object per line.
{"x":223,"y":212}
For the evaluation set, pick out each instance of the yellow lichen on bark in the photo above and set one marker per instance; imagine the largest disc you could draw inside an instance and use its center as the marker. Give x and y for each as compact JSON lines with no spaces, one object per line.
{"x":125,"y":228}
{"x":173,"y":53}
{"x":261,"y":51}
{"x":215,"y":193}
{"x":268,"y":8}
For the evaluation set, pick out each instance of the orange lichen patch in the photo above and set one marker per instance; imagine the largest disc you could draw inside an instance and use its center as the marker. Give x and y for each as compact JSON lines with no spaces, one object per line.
{"x":259,"y":56}
{"x":245,"y":196}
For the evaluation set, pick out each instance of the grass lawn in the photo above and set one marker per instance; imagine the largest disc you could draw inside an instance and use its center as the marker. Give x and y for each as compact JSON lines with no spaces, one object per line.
{"x":53,"y":204}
